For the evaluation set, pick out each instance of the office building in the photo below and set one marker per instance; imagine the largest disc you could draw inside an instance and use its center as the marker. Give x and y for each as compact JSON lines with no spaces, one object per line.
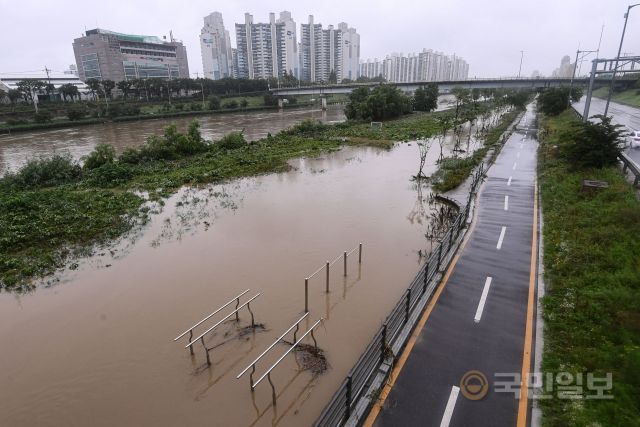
{"x":215,"y":47}
{"x":107,"y":55}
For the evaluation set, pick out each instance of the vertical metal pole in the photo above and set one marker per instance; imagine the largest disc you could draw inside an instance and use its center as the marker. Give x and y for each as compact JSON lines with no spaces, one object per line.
{"x":190,"y":339}
{"x":383,"y":343}
{"x":615,"y":69}
{"x":587,"y":103}
{"x":327,"y":286}
{"x":349,"y":391}
{"x":575,"y":65}
{"x":360,"y":254}
{"x":237,"y":305}
{"x":306,"y":295}
{"x":439,"y":255}
{"x":426,"y":276}
{"x":407,"y":305}
{"x":344,"y":257}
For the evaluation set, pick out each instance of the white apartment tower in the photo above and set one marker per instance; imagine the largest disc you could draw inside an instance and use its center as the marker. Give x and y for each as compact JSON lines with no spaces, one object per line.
{"x":215,"y":46}
{"x":323,"y":51}
{"x":267,"y":49}
{"x":425,"y":66}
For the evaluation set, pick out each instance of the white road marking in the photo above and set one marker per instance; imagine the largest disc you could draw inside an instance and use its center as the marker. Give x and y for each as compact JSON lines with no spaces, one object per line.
{"x":483,"y":299}
{"x":501,"y":238}
{"x":451,"y":403}
{"x":514,"y":165}
{"x":509,"y":182}
{"x":506,"y":203}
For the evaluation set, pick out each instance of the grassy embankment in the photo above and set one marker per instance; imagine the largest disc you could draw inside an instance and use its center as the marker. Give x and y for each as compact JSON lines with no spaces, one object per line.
{"x":629,"y":96}
{"x":592,"y":275}
{"x":53,"y":210}
{"x":453,"y":171}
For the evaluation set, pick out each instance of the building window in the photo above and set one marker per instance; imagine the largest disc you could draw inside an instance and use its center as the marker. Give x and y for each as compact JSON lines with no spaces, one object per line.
{"x":91,"y":66}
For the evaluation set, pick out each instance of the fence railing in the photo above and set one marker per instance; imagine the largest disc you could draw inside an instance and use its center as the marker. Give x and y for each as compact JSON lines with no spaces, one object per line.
{"x":327,"y":268}
{"x":343,"y":402}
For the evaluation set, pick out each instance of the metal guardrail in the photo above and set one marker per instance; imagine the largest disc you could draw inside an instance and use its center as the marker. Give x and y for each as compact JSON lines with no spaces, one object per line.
{"x":327,"y":267}
{"x":235,"y":312}
{"x":190,"y":330}
{"x":341,"y":405}
{"x":630,"y":164}
{"x":296,"y":342}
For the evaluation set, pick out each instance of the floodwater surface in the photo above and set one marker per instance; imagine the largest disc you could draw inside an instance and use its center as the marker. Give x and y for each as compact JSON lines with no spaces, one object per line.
{"x":97,"y":348}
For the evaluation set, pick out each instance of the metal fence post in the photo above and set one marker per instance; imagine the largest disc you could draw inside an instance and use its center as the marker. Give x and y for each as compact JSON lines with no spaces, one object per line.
{"x":439,"y":255}
{"x":383,"y":343}
{"x":327,"y":287}
{"x":349,"y":395}
{"x":407,"y":305}
{"x":306,"y":295}
{"x":360,"y":254}
{"x":426,"y":276}
{"x":344,"y":256}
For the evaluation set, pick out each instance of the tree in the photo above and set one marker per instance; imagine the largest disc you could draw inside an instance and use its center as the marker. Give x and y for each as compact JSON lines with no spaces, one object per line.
{"x":462,"y":98}
{"x":14,"y":95}
{"x":333,"y":78}
{"x":423,"y":150}
{"x":49,"y":89}
{"x":426,"y":98}
{"x":107,"y":87}
{"x":126,"y":87}
{"x":94,"y":87}
{"x":3,"y":94}
{"x":70,"y":90}
{"x":382,"y":103}
{"x":29,"y":89}
{"x":445,"y":123}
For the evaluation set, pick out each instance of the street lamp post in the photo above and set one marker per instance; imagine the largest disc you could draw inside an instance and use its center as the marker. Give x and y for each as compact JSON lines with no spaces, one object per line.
{"x":521,"y":56}
{"x":615,"y":69}
{"x":575,"y":65}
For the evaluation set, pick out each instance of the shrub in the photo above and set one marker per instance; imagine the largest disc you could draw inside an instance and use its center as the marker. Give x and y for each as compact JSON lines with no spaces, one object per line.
{"x":307,"y":127}
{"x":232,"y":141}
{"x":110,"y":174}
{"x":244,"y":103}
{"x":101,"y":155}
{"x":16,"y":122}
{"x":56,"y":170}
{"x":553,"y":101}
{"x":594,"y":145}
{"x":382,"y":103}
{"x":179,"y":107}
{"x":214,"y":102}
{"x":42,"y":117}
{"x":231,"y":104}
{"x":196,"y":106}
{"x":270,"y":99}
{"x":76,"y":113}
{"x":130,"y":156}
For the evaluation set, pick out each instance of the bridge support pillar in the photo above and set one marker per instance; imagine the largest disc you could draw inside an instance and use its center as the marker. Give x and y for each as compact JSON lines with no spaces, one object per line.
{"x":324,"y":103}
{"x":280,"y":103}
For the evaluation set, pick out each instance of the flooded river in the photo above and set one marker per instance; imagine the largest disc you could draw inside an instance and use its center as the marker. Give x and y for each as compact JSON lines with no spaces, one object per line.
{"x":97,"y":348}
{"x":79,"y":141}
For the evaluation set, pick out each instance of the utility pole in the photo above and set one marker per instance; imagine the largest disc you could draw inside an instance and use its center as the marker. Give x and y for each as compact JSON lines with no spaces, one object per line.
{"x":615,"y":69}
{"x":521,"y":56}
{"x":575,"y":65}
{"x":46,"y":70}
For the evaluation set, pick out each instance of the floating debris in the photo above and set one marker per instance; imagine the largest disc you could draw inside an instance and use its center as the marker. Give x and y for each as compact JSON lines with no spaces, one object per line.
{"x":311,"y":358}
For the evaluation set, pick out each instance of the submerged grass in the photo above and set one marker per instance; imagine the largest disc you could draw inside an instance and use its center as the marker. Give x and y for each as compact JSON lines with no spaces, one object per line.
{"x":54,"y":208}
{"x":592,"y":274}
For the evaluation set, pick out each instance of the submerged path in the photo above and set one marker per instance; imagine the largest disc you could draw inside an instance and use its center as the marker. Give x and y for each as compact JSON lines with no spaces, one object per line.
{"x":481,"y":318}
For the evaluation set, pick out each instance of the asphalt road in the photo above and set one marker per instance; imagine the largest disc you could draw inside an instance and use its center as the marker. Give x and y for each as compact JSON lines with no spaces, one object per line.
{"x":478,"y":322}
{"x":622,"y":114}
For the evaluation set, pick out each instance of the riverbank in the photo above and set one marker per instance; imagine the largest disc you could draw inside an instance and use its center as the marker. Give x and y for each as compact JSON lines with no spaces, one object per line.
{"x":591,"y":273}
{"x":63,"y":123}
{"x":54,"y":210}
{"x":629,"y":97}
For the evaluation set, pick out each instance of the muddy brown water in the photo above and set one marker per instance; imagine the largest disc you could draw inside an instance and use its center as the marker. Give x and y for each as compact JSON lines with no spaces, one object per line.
{"x":97,"y":348}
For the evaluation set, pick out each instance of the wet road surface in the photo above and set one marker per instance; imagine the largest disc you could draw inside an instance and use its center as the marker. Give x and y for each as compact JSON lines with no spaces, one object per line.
{"x":622,"y":114}
{"x":479,"y":321}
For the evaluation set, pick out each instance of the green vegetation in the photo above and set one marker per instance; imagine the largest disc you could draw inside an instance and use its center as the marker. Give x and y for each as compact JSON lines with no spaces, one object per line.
{"x":453,"y":171}
{"x":426,"y":98}
{"x":629,"y":96}
{"x":554,"y":101}
{"x":592,"y":274}
{"x":382,"y":103}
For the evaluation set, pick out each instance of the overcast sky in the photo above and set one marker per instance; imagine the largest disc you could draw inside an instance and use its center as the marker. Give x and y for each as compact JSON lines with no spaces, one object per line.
{"x":488,"y":34}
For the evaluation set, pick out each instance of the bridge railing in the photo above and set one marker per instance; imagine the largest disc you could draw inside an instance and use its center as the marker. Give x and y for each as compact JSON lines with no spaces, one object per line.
{"x":380,"y":349}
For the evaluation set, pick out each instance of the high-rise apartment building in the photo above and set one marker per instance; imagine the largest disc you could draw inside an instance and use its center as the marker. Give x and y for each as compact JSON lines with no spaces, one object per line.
{"x":323,"y":51}
{"x":107,"y":55}
{"x":424,"y":66}
{"x":267,"y":50}
{"x":215,"y":46}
